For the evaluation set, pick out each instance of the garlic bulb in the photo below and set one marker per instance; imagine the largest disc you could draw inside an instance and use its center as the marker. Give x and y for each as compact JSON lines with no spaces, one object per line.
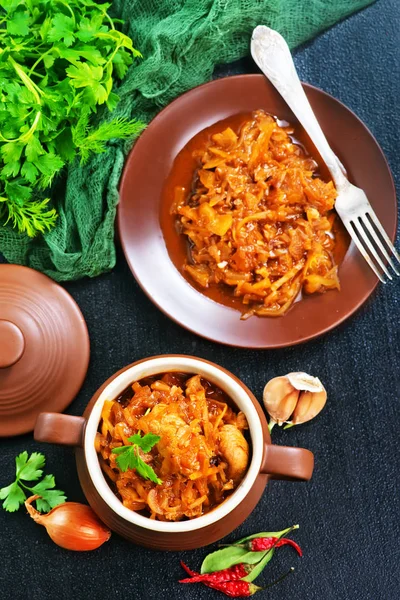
{"x":294,"y":398}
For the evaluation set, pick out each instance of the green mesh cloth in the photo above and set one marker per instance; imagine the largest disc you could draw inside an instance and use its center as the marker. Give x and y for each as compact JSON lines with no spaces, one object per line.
{"x":181,"y":42}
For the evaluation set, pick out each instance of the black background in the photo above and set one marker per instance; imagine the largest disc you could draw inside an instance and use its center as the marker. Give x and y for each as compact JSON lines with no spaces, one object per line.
{"x":349,"y":512}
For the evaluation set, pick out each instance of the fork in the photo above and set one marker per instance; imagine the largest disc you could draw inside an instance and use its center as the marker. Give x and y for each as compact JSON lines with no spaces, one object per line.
{"x":271,"y":53}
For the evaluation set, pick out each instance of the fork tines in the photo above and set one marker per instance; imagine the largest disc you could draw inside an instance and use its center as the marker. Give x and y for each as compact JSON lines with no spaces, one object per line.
{"x":375,"y":246}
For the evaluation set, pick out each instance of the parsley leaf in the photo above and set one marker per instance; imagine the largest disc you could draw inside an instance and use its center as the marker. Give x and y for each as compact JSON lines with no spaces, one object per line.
{"x":146,"y":442}
{"x":33,"y":149}
{"x":62,"y":30}
{"x":11,"y":151}
{"x":49,"y":497}
{"x":84,"y":75}
{"x":147,"y":472}
{"x":126,"y":459}
{"x":58,"y":63}
{"x":11,"y":169}
{"x":13,"y":497}
{"x":87,"y":29}
{"x":49,"y":164}
{"x":122,"y":60}
{"x":74,"y":55}
{"x":128,"y":456}
{"x":16,"y":192}
{"x":30,"y":468}
{"x":19,"y":24}
{"x":29,"y":172}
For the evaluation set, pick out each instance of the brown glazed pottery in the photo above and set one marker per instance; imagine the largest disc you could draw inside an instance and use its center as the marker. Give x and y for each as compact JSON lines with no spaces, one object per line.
{"x":44,"y":348}
{"x":267,"y":461}
{"x":145,"y":180}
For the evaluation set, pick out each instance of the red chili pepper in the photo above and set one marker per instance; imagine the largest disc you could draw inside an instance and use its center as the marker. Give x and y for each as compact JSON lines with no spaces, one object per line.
{"x":232,"y":574}
{"x":267,"y":543}
{"x":262,"y":543}
{"x":243,"y":589}
{"x":235,"y":589}
{"x":189,"y":571}
{"x":287,"y":541}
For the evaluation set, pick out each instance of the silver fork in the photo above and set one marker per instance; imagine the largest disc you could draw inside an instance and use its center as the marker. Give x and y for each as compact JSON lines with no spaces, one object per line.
{"x":272,"y":55}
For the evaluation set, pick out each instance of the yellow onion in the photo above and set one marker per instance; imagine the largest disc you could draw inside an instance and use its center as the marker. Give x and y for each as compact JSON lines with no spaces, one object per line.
{"x":71,"y":525}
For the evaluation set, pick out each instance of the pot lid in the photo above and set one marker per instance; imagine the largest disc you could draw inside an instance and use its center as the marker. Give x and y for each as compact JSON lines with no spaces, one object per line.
{"x":44,"y":348}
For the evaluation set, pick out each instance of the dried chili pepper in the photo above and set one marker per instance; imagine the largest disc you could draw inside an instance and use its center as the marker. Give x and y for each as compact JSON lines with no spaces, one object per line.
{"x":243,"y":589}
{"x":232,"y":588}
{"x":189,"y":571}
{"x":267,"y":543}
{"x":236,"y":589}
{"x":288,"y":542}
{"x":233,"y":574}
{"x":260,"y":544}
{"x":225,"y":574}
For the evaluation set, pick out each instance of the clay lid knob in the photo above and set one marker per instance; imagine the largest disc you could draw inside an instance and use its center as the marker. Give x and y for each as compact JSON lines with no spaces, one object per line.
{"x":12,"y":344}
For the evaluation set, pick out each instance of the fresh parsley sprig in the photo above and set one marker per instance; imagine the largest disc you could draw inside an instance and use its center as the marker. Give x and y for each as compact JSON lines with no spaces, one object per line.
{"x":128,"y":456}
{"x":58,"y":63}
{"x":30,"y":468}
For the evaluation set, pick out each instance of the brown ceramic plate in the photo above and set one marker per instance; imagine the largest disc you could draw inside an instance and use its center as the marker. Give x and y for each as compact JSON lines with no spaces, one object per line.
{"x":143,"y":181}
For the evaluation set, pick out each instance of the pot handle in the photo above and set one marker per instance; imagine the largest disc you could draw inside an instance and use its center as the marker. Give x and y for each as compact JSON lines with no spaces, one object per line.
{"x":54,"y":428}
{"x":285,"y":462}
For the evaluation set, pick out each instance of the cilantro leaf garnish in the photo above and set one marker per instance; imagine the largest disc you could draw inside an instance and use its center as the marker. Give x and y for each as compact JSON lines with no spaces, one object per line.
{"x":58,"y":64}
{"x":30,"y":468}
{"x":129,"y":458}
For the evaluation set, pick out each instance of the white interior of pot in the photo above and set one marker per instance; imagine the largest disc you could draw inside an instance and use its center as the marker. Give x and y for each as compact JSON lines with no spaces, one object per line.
{"x":216,"y":376}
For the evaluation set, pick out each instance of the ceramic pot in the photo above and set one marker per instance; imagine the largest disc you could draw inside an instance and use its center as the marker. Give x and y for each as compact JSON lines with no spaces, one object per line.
{"x":267,"y":461}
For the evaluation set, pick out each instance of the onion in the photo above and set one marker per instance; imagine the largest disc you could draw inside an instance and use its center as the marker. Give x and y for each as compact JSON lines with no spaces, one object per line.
{"x":71,"y":525}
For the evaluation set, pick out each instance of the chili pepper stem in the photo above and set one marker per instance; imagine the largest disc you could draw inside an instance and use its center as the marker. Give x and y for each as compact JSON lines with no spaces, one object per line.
{"x":281,"y":578}
{"x":271,"y":424}
{"x":292,"y":528}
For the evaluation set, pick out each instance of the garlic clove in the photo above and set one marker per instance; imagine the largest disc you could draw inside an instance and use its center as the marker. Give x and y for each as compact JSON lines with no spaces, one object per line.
{"x":303,"y":405}
{"x":280,"y":398}
{"x":296,"y":396}
{"x":308,"y":406}
{"x":305,"y":382}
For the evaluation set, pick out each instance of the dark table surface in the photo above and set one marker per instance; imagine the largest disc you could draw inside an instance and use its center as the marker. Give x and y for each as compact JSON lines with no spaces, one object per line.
{"x":349,"y":512}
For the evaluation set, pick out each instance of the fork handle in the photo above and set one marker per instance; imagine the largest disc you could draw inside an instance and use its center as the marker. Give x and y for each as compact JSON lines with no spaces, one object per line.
{"x":272,"y":55}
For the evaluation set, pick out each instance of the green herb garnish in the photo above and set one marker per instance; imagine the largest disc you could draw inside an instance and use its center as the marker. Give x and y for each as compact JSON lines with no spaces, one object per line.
{"x":31,"y":469}
{"x":128,"y":456}
{"x":57,"y":64}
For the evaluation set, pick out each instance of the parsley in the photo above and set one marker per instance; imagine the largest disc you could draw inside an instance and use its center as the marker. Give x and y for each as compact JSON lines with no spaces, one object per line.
{"x":57,"y":64}
{"x":31,"y":469}
{"x":128,"y":456}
